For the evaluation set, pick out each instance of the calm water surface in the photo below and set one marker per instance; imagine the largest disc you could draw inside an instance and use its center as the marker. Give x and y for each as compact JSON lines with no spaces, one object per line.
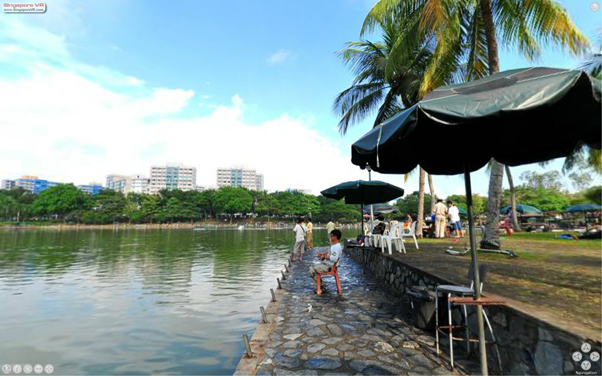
{"x":136,"y":302}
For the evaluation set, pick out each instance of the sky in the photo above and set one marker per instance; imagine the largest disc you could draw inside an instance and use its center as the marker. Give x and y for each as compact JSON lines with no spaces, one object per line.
{"x":89,"y":89}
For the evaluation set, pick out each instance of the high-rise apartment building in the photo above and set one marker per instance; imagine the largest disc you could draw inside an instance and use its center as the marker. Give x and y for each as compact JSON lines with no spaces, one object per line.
{"x":140,"y":184}
{"x":119,"y":183}
{"x":7,"y":184}
{"x":172,"y":177}
{"x":239,"y":177}
{"x":92,"y":188}
{"x":259,"y":182}
{"x":30,"y":183}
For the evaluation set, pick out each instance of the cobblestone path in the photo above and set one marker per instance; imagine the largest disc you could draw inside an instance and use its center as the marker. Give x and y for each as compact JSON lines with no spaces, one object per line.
{"x":362,"y":331}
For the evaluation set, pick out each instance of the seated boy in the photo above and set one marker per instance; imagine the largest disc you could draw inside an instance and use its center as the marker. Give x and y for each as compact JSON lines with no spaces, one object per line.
{"x":328,"y":258}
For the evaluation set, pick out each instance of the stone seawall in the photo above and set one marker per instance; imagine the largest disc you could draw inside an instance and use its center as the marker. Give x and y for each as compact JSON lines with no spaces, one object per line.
{"x":527,"y":345}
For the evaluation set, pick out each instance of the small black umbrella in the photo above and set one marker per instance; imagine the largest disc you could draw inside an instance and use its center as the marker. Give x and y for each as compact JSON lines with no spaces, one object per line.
{"x":558,"y":110}
{"x":363,"y":192}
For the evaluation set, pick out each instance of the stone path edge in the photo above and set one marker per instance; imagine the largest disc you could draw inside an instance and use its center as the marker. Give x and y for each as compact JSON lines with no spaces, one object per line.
{"x":261,"y":337}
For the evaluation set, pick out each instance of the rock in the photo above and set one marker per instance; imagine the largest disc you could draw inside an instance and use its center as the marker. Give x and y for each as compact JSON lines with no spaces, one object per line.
{"x":316,"y":322}
{"x":270,"y":352}
{"x":334,"y":330}
{"x":315,"y":348}
{"x":323,"y":363}
{"x":366,"y":353}
{"x":293,"y":353}
{"x":286,"y":362}
{"x":292,"y":344}
{"x":293,"y":337}
{"x":266,"y":361}
{"x":545,"y":335}
{"x":345,"y":347}
{"x":285,"y":372}
{"x":371,"y":367}
{"x":426,"y":340}
{"x":275,"y":344}
{"x":331,"y":352}
{"x":410,"y":345}
{"x":500,"y":319}
{"x":548,"y":359}
{"x":384,"y":347}
{"x":332,"y":340}
{"x":420,"y":371}
{"x":420,"y":360}
{"x":315,"y":332}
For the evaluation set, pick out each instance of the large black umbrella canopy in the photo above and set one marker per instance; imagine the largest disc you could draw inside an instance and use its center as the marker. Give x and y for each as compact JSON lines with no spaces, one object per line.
{"x":583,"y":208}
{"x":555,"y":110}
{"x":550,"y":110}
{"x":363,"y":192}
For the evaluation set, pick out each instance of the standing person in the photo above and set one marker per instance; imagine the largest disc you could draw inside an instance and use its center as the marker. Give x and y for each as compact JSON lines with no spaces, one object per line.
{"x":440,"y":222}
{"x":329,"y":227}
{"x":328,"y":258}
{"x":310,"y":234}
{"x":454,"y":218}
{"x":299,"y":247}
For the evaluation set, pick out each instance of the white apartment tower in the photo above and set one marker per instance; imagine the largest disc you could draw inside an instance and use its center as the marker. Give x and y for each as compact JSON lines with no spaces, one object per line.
{"x":259,"y":182}
{"x":140,"y":184}
{"x":119,"y":183}
{"x":172,"y":176}
{"x":239,"y":177}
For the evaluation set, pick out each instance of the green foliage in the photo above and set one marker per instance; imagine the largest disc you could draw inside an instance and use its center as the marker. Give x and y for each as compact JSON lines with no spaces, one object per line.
{"x":59,"y":200}
{"x":409,"y":204}
{"x":232,"y":200}
{"x":479,"y":203}
{"x":593,"y":194}
{"x":544,"y":199}
{"x":547,"y":180}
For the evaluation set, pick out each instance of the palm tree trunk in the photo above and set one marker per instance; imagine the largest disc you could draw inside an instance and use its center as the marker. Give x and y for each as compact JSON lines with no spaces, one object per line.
{"x":491,"y":237}
{"x":420,"y":203}
{"x":432,"y":189}
{"x":515,"y":223}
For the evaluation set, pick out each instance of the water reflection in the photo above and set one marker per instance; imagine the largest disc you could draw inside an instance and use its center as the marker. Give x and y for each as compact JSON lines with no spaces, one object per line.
{"x":135,"y":302}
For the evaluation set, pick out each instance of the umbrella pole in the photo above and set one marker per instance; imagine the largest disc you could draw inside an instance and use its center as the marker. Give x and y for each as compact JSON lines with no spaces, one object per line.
{"x":477,"y":277}
{"x":363,"y":219}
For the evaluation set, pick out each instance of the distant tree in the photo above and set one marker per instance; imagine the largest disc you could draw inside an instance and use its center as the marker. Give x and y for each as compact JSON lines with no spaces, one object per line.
{"x":109,"y":205}
{"x":410,"y":203}
{"x":232,"y":200}
{"x":60,"y":200}
{"x":267,"y":204}
{"x":594,"y":194}
{"x":479,"y":203}
{"x":548,"y":180}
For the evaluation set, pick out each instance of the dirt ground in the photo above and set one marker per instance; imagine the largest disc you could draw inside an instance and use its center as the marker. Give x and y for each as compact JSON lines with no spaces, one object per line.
{"x":552,"y":279}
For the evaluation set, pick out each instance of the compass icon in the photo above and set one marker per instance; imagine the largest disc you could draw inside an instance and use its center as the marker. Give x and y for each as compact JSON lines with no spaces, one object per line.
{"x":586,"y":347}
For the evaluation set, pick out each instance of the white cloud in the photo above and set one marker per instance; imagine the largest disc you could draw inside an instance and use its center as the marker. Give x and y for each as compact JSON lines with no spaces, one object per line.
{"x":72,"y":122}
{"x":279,"y":57}
{"x":135,"y":81}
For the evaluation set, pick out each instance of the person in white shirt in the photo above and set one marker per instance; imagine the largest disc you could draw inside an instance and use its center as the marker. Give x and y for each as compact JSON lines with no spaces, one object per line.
{"x":328,"y":258}
{"x":454,"y":217}
{"x":299,"y":247}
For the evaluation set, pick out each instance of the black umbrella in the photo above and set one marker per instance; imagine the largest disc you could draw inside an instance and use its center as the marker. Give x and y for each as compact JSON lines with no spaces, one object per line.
{"x":557,"y":110}
{"x":363,"y":192}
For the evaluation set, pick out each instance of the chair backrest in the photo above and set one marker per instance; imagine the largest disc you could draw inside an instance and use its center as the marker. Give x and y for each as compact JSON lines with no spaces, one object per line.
{"x":410,"y":230}
{"x":396,"y":229}
{"x":335,"y":265}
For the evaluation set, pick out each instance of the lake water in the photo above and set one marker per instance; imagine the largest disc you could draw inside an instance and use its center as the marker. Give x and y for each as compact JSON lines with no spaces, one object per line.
{"x":136,"y":302}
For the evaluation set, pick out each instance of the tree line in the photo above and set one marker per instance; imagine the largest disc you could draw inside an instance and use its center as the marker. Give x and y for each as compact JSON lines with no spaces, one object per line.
{"x":67,"y":203}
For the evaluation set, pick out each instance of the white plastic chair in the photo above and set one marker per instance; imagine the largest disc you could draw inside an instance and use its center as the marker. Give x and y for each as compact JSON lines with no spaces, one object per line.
{"x":410,"y":232}
{"x":393,"y":239}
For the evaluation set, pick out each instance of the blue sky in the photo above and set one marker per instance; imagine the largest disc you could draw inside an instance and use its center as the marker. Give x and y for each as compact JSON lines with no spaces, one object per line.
{"x":115,"y":86}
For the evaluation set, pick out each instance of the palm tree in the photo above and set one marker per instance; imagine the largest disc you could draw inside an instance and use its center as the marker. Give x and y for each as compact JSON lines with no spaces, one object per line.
{"x":470,"y":29}
{"x":372,"y":90}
